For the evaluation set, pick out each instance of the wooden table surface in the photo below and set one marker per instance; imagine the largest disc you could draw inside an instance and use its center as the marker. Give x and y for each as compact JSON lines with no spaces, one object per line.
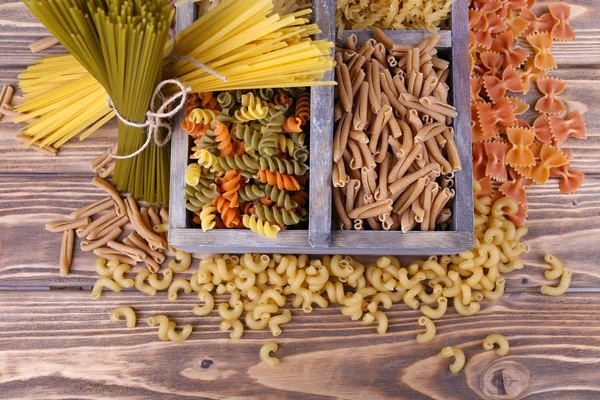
{"x":57,"y":343}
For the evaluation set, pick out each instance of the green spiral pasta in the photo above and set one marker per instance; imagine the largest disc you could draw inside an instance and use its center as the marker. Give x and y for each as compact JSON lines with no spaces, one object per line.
{"x":207,"y":141}
{"x":226,"y":100}
{"x":246,"y":163}
{"x":280,"y":216}
{"x":300,"y":154}
{"x":291,"y":167}
{"x":200,"y":195}
{"x":280,"y":197}
{"x":266,"y":93}
{"x":251,"y":192}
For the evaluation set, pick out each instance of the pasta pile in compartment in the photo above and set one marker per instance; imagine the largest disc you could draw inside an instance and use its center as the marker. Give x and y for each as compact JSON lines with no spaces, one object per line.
{"x":392,"y":14}
{"x":251,"y":149}
{"x":394,"y":151}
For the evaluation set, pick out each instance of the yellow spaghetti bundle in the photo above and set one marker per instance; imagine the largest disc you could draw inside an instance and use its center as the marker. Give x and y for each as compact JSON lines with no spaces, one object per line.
{"x":250,"y":47}
{"x":63,"y":98}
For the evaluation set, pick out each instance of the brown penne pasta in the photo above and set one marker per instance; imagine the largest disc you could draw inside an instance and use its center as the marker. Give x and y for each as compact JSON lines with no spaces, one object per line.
{"x":91,"y":245}
{"x":66,"y":251}
{"x":93,"y":208}
{"x":62,"y":226}
{"x":112,"y":192}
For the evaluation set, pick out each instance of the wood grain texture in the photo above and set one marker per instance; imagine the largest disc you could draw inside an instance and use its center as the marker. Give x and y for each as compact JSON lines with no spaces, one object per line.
{"x":61,"y":342}
{"x":566,"y":225}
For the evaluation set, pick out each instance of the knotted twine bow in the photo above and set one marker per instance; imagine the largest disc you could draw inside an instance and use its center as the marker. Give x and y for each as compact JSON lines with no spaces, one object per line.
{"x":157,"y":119}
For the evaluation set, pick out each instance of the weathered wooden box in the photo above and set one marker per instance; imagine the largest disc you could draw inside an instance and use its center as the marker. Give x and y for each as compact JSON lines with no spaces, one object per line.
{"x":320,"y":238}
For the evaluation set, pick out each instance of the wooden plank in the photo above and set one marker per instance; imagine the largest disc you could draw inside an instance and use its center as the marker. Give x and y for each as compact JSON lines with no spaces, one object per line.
{"x":61,"y":342}
{"x":321,"y":139}
{"x":405,"y":37}
{"x":558,"y":223}
{"x":18,"y":28}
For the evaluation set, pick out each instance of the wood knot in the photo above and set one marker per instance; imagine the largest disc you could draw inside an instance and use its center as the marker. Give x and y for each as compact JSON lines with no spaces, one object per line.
{"x":206,"y":364}
{"x":505,"y":380}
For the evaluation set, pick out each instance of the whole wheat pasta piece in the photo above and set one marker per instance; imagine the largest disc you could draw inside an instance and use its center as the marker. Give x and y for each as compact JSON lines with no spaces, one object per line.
{"x":66,"y":251}
{"x":344,"y":86}
{"x":394,"y":102}
{"x":417,"y":209}
{"x":351,"y":42}
{"x":112,"y":192}
{"x":411,"y":102}
{"x":400,"y":84}
{"x":403,"y":183}
{"x":430,"y":192}
{"x":139,"y":242}
{"x":134,"y":216}
{"x":439,"y":106}
{"x":374,"y":86}
{"x":107,"y":172}
{"x":340,"y":140}
{"x":111,"y":254}
{"x":92,"y":209}
{"x":100,"y":221}
{"x":345,"y":222}
{"x":429,"y":84}
{"x":379,"y":54}
{"x":383,"y":116}
{"x":429,"y":131}
{"x":358,"y":77}
{"x":129,"y":251}
{"x":369,"y":182}
{"x":360,"y":114}
{"x":415,"y":83}
{"x":444,"y":216}
{"x":102,"y":230}
{"x":367,"y":156}
{"x":339,"y":176}
{"x":407,"y":137}
{"x":381,"y":37}
{"x":440,"y":201}
{"x":352,"y":189}
{"x":395,"y":148}
{"x":452,"y":150}
{"x":407,"y":221}
{"x":372,"y":210}
{"x":433,"y":150}
{"x":359,"y":136}
{"x":382,"y":189}
{"x":155,"y":220}
{"x":402,"y":165}
{"x":89,"y":246}
{"x":101,"y":161}
{"x":411,"y":194}
{"x":384,"y":144}
{"x":62,"y":226}
{"x":146,"y":217}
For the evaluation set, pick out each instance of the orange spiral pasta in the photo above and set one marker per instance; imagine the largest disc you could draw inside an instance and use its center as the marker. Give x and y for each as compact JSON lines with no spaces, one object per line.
{"x":206,"y":98}
{"x":292,"y":125}
{"x":223,"y":137}
{"x":229,"y":215}
{"x":191,"y":105}
{"x":230,"y":184}
{"x":282,"y":181}
{"x":303,"y":107}
{"x":248,"y":207}
{"x":300,"y":197}
{"x":193,"y":129}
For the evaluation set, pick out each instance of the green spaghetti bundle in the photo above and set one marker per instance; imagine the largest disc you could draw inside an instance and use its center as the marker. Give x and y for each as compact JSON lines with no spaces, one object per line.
{"x":121,"y":44}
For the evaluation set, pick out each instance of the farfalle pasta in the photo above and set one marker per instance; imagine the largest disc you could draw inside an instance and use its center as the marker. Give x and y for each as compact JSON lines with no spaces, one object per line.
{"x":549,"y":103}
{"x":251,"y":159}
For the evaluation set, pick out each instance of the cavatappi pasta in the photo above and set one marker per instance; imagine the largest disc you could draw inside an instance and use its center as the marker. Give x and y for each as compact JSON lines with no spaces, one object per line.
{"x":251,"y":153}
{"x":394,"y":151}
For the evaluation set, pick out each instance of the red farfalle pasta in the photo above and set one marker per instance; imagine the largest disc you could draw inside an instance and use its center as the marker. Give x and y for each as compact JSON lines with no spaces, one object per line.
{"x":496,"y":88}
{"x":541,"y":44}
{"x":504,"y":44}
{"x":519,"y":106}
{"x":515,"y":187}
{"x":520,"y":216}
{"x":530,"y":74}
{"x":541,"y":127}
{"x":486,"y":187}
{"x":549,"y":104}
{"x":550,"y":157}
{"x":517,"y":25}
{"x":282,"y":181}
{"x":573,"y":125}
{"x":570,"y":179}
{"x":562,"y":30}
{"x":521,"y":140}
{"x":493,"y":117}
{"x":479,"y":160}
{"x":544,"y":23}
{"x":476,"y":87}
{"x":302,"y":111}
{"x":496,"y":160}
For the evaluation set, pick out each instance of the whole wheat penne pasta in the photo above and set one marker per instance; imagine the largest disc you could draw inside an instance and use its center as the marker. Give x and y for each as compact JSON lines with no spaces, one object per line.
{"x":360,"y":117}
{"x":108,"y":171}
{"x":382,"y":190}
{"x":439,"y":202}
{"x":391,"y":61}
{"x":356,"y":161}
{"x":441,"y":141}
{"x":374,"y":86}
{"x":396,"y":147}
{"x":66,"y":251}
{"x":92,"y":208}
{"x":355,"y":64}
{"x":417,"y":209}
{"x":338,"y":202}
{"x":407,"y":137}
{"x":62,"y":226}
{"x":129,"y":251}
{"x":101,"y":242}
{"x":146,"y":217}
{"x":112,"y":192}
{"x":154,"y":218}
{"x":382,"y":118}
{"x":444,"y":216}
{"x":359,"y":225}
{"x":430,"y":192}
{"x":411,"y":102}
{"x":413,"y":192}
{"x":429,"y":84}
{"x":152,"y":238}
{"x":444,"y":75}
{"x":345,"y":86}
{"x":392,"y":97}
{"x":107,"y":227}
{"x":414,"y":121}
{"x":367,"y":156}
{"x":429,"y":131}
{"x":374,"y":224}
{"x":438,"y":106}
{"x":338,"y":175}
{"x":384,"y":144}
{"x":341,"y":136}
{"x":452,"y":150}
{"x":338,"y":111}
{"x":352,"y":189}
{"x":141,"y":244}
{"x":407,"y":221}
{"x":402,"y":184}
{"x":386,"y":77}
{"x":359,"y":136}
{"x":400,"y":84}
{"x":101,"y":161}
{"x":351,"y":42}
{"x":110,"y":254}
{"x":435,"y":152}
{"x":357,"y":79}
{"x":100,"y":221}
{"x":379,"y":54}
{"x":381,"y":36}
{"x":368,"y":209}
{"x":402,"y":165}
